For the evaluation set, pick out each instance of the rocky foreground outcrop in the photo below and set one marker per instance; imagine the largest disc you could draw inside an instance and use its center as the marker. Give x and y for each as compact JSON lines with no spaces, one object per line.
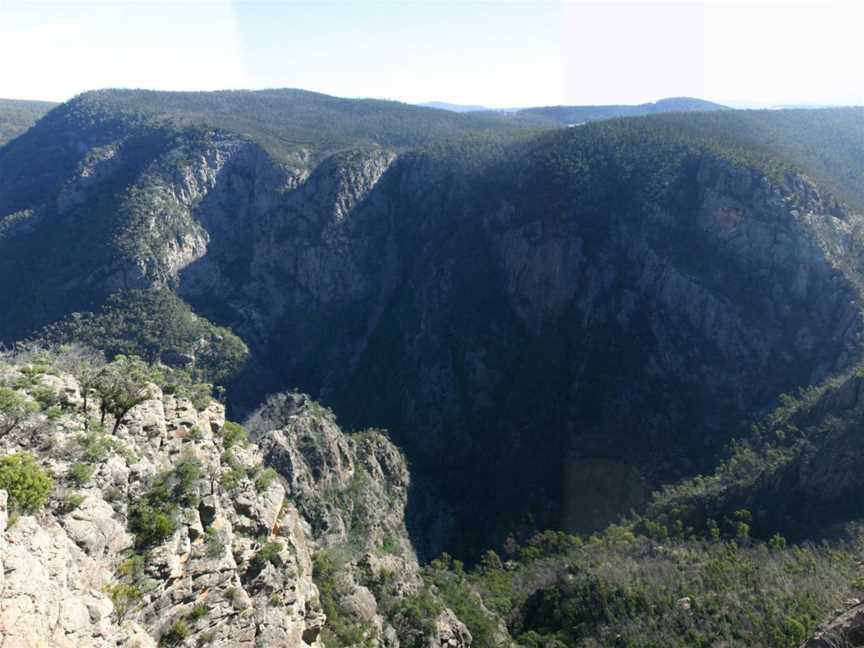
{"x":844,"y":631}
{"x":234,"y":561}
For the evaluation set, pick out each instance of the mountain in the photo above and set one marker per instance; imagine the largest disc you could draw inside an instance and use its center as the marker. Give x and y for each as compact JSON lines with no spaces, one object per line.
{"x":17,"y":116}
{"x":657,"y":317}
{"x":294,"y":126}
{"x":457,"y":108}
{"x":574,"y":115}
{"x":553,"y":322}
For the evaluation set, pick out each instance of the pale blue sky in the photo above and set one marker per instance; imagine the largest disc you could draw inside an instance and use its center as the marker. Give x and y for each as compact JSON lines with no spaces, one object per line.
{"x":498,"y":53}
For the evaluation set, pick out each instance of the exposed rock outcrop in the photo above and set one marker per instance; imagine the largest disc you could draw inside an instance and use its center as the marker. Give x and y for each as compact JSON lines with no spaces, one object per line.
{"x":846,"y":631}
{"x":173,"y":530}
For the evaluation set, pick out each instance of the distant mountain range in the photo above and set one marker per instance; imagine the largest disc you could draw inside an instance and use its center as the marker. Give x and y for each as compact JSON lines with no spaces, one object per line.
{"x":457,"y":108}
{"x":571,"y":115}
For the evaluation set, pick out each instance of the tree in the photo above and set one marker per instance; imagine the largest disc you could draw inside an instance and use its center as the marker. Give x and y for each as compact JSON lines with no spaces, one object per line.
{"x":25,"y":481}
{"x":85,"y":364}
{"x":121,"y":385}
{"x":14,"y":409}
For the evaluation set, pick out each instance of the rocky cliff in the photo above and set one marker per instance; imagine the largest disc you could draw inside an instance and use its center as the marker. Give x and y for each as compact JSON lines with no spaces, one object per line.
{"x":177,"y":530}
{"x":553,"y":323}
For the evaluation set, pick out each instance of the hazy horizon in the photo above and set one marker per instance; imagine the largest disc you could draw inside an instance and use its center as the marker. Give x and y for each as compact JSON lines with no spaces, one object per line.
{"x":501,"y":54}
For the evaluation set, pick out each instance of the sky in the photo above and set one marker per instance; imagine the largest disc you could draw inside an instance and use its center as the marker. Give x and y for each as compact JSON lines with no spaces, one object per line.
{"x":497,"y":53}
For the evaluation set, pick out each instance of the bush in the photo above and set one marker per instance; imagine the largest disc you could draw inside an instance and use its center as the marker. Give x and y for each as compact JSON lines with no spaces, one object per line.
{"x":232,"y":434}
{"x":269,"y":553}
{"x":201,"y":395}
{"x":26,"y":482}
{"x":198,"y":612}
{"x":231,"y":478}
{"x":213,"y":548}
{"x":342,"y":628}
{"x":265,"y":478}
{"x":177,"y":633}
{"x":124,"y":597}
{"x":152,"y":518}
{"x":187,"y":474}
{"x":54,"y":412}
{"x":417,"y":614}
{"x":14,"y":409}
{"x":150,"y":525}
{"x":81,"y":473}
{"x":122,"y":385}
{"x":71,"y":502}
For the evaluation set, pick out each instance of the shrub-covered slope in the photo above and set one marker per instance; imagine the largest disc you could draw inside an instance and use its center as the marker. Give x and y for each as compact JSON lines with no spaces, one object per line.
{"x":797,"y":471}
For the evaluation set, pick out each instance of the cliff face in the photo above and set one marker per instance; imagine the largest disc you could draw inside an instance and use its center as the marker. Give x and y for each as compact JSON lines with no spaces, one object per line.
{"x":553,"y":327}
{"x":236,"y":568}
{"x":590,"y":351}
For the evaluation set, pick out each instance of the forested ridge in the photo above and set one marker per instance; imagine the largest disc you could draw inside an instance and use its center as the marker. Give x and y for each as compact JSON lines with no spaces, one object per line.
{"x":644,"y":333}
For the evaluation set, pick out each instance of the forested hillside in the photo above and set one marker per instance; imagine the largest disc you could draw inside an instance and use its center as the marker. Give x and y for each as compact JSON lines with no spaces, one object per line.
{"x":295,"y":125}
{"x":17,"y":116}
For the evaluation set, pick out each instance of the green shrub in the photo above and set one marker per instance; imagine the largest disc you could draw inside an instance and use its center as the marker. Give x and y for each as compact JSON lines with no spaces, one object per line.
{"x":44,"y":395}
{"x":201,"y":395}
{"x":132,"y":567}
{"x":205,"y":638}
{"x":198,"y":612}
{"x":232,"y":434}
{"x":264,"y":479}
{"x":187,"y":474}
{"x":235,"y":596}
{"x":390,"y":544}
{"x":53,"y":413}
{"x":96,"y":446}
{"x":124,"y":597}
{"x":214,"y":548}
{"x":71,"y":502}
{"x":150,"y":525}
{"x":177,"y":633}
{"x":112,"y":494}
{"x":268,"y":553}
{"x":14,"y":409}
{"x":27,"y":484}
{"x":231,"y":478}
{"x":342,"y":628}
{"x":81,"y":473}
{"x":419,"y":611}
